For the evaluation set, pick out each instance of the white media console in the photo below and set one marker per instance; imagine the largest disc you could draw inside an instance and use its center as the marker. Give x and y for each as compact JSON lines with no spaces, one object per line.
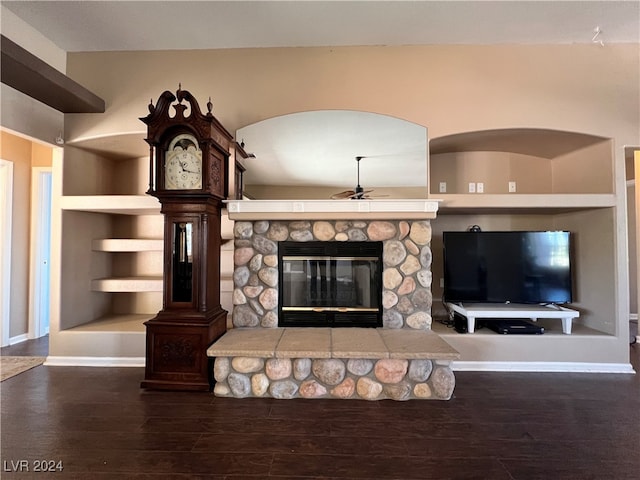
{"x":510,"y":310}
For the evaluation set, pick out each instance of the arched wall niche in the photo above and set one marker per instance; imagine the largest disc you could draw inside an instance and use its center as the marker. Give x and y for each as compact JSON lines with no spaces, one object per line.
{"x":312,"y":155}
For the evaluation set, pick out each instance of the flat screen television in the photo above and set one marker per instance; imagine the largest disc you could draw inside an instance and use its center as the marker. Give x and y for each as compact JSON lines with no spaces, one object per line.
{"x":507,"y":267}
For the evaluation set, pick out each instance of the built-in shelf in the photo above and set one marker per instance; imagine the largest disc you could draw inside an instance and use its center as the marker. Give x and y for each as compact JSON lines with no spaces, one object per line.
{"x":112,"y":204}
{"x":523,"y":203}
{"x":127,"y":245}
{"x":127,"y":284}
{"x":127,"y":323}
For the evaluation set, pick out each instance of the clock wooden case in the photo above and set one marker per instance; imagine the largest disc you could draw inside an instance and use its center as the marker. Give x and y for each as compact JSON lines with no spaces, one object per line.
{"x":189,"y":155}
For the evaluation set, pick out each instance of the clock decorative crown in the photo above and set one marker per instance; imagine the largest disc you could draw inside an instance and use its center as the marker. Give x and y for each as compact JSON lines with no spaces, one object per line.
{"x":174,"y":167}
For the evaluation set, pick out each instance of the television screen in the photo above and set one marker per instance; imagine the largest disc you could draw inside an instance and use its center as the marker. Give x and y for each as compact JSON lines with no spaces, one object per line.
{"x":507,"y":267}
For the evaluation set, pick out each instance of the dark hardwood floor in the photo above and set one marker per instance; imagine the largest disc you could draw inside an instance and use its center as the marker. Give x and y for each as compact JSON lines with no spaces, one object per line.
{"x":100,"y":425}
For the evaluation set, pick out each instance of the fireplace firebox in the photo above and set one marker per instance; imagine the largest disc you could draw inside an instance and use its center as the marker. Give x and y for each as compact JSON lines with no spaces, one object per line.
{"x":330,"y":284}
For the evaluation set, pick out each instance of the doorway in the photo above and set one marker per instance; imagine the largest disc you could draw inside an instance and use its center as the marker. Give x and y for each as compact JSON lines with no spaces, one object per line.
{"x":40,"y":252}
{"x":6,"y":206}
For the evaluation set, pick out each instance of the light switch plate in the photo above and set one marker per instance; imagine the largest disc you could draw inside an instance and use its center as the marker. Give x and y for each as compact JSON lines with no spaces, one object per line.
{"x":443,"y":187}
{"x":472,"y":187}
{"x":480,"y":187}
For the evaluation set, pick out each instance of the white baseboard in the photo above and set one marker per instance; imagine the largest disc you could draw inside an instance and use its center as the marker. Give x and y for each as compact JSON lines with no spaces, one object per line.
{"x":19,"y":339}
{"x":95,"y":361}
{"x":578,"y":367}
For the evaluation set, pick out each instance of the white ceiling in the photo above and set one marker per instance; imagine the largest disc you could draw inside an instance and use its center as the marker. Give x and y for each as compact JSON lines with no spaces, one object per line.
{"x":160,"y":25}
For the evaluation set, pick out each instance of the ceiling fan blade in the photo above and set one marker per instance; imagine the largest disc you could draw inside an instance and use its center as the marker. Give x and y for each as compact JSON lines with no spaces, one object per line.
{"x":343,"y":195}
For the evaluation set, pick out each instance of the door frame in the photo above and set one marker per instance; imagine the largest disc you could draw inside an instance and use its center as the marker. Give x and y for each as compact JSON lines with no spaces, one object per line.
{"x":40,"y":239}
{"x":6,"y":218}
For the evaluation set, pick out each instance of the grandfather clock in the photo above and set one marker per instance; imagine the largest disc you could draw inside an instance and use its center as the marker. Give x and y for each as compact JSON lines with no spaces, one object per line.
{"x":189,"y":154}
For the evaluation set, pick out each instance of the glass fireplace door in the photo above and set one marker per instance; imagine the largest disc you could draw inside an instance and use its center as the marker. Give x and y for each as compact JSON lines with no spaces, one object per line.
{"x":340,"y":288}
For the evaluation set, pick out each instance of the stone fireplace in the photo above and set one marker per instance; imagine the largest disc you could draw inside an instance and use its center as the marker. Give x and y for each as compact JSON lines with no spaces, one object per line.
{"x":263,"y":356}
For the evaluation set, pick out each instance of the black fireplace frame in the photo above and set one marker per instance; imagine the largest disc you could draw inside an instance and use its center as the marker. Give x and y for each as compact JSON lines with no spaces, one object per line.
{"x":328,"y":316}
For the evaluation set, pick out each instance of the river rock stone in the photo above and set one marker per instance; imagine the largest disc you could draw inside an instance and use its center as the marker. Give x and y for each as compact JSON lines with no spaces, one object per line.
{"x":424,"y":278}
{"x":243,"y":229}
{"x":392,"y":319}
{"x":269,"y":275}
{"x":345,"y":389}
{"x":312,"y":389}
{"x":389,"y":299}
{"x":391,"y":278}
{"x":238,"y":297}
{"x":341,"y":237}
{"x":269,"y":298}
{"x":368,"y":389}
{"x":356,"y":235}
{"x":301,"y":236}
{"x":420,"y":232}
{"x":323,"y":231}
{"x":426,"y":257}
{"x":278,"y":368}
{"x":283,"y":390}
{"x":411,"y":265}
{"x":390,"y":370}
{"x":408,"y":286}
{"x":221,"y":368}
{"x":261,"y":226}
{"x":443,"y":382}
{"x":255,"y":305}
{"x":329,"y":370}
{"x":221,"y":389}
{"x":278,"y":232}
{"x":270,"y":260}
{"x":398,"y":391}
{"x":422,"y":298}
{"x":405,"y":306}
{"x":247,"y":364}
{"x":255,"y":264}
{"x":241,"y":276}
{"x":239,"y":385}
{"x":252,"y":292}
{"x":244,"y":316}
{"x":422,"y":390}
{"x":359,"y":366}
{"x":419,"y":370}
{"x":241,"y":256}
{"x":419,"y":321}
{"x":300,"y":225}
{"x":301,"y":368}
{"x":380,"y":231}
{"x":269,"y":320}
{"x":259,"y":384}
{"x":404,"y":229}
{"x":343,"y":225}
{"x":411,"y":247}
{"x":393,"y":253}
{"x":264,"y":245}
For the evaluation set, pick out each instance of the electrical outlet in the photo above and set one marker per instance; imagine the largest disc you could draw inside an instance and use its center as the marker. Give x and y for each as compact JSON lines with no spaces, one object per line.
{"x":512,"y":187}
{"x":472,"y":187}
{"x":443,"y":187}
{"x":480,"y":187}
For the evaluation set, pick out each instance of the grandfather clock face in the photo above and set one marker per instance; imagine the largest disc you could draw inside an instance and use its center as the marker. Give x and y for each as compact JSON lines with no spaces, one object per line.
{"x":183,"y":164}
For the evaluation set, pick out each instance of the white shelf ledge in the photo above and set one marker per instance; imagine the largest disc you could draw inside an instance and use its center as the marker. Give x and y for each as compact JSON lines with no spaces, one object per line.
{"x":127,"y":245}
{"x":127,"y":284}
{"x":331,"y":209}
{"x":118,"y":204}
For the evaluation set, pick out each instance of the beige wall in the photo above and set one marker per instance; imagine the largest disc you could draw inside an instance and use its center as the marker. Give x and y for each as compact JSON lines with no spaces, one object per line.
{"x":24,"y":154}
{"x":449,"y":89}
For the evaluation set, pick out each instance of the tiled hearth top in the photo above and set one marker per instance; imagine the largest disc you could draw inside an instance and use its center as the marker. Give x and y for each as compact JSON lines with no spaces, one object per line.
{"x":370,"y":343}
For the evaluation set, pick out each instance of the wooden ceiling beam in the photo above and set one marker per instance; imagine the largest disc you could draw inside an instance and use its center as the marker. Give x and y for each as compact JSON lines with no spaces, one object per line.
{"x":28,"y":74}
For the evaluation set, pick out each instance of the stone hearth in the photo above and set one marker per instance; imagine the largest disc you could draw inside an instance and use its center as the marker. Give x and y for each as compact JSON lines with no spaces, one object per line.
{"x":400,"y":361}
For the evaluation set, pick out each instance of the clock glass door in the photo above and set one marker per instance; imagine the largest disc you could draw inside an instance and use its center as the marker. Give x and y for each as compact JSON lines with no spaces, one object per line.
{"x":182,"y":262}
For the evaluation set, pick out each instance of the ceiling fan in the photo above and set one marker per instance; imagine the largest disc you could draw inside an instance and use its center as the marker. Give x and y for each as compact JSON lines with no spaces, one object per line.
{"x":358,"y":193}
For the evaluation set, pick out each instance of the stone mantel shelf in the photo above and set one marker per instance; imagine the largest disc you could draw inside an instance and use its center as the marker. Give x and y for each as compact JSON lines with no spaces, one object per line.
{"x":388,"y":209}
